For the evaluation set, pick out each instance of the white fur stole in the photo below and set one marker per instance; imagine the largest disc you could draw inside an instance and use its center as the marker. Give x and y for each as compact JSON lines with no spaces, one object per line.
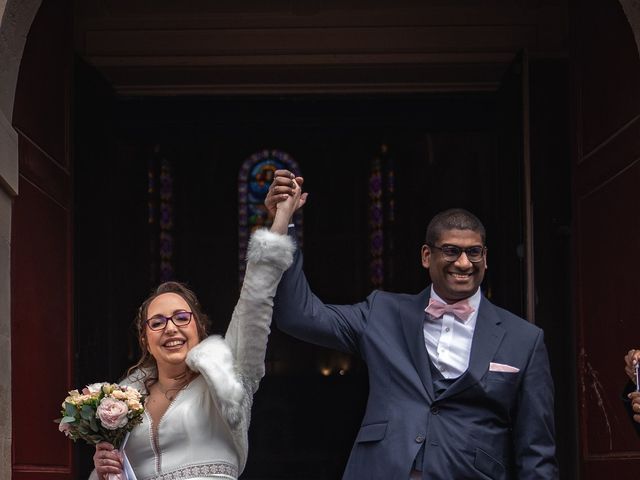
{"x":213,"y":359}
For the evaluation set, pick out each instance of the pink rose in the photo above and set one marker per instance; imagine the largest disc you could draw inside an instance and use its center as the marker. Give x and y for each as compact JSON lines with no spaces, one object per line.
{"x":112,"y":413}
{"x":64,"y":427}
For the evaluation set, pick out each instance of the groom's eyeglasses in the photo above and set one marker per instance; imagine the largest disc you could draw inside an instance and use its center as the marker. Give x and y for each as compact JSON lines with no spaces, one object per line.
{"x":179,"y":319}
{"x":451,"y":253}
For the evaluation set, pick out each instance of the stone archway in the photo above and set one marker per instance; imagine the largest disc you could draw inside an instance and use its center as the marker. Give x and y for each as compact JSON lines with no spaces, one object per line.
{"x":632,"y":12}
{"x":16,"y":17}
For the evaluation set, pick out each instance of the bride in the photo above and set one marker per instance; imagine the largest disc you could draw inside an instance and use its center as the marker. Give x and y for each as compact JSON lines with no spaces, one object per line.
{"x":200,"y":388}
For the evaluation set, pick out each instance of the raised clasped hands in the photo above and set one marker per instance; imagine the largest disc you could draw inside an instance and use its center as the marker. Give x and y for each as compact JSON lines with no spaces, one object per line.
{"x":284,"y":198}
{"x":283,"y":188}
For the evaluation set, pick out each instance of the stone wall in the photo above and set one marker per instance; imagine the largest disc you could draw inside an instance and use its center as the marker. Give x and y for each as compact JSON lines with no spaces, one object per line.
{"x":15,"y":20}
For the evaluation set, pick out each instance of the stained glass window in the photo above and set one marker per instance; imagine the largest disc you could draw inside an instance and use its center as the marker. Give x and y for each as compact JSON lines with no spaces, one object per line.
{"x":254,"y":179}
{"x":160,"y":219}
{"x":381,"y":218}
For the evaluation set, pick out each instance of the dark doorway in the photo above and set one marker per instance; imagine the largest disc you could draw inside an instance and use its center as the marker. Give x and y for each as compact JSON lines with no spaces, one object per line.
{"x":447,"y":151}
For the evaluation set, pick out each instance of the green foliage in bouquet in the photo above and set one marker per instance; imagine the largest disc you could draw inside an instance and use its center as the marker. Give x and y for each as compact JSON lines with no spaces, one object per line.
{"x":102,"y":412}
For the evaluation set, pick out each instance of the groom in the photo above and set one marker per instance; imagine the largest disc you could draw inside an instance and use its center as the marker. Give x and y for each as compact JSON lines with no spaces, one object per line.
{"x":458,"y":387}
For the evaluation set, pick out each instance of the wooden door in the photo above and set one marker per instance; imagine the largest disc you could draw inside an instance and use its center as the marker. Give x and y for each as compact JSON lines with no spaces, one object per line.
{"x":606,"y":80}
{"x":41,"y":284}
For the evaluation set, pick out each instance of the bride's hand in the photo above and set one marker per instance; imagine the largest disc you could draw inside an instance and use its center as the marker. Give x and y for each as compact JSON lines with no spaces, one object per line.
{"x":290,"y":205}
{"x":286,"y":208}
{"x":107,"y":460}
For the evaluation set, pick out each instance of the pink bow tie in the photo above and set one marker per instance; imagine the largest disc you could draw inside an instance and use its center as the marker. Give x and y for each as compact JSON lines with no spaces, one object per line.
{"x":460,"y":309}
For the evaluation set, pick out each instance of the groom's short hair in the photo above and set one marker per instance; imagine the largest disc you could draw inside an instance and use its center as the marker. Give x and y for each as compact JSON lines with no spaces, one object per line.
{"x":453,"y":219}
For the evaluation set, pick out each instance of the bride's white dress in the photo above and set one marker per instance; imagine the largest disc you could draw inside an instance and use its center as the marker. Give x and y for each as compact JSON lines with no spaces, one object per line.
{"x":193,"y":440}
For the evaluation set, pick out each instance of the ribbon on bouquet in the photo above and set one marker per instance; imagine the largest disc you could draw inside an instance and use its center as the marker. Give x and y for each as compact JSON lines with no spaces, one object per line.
{"x":127,"y":473}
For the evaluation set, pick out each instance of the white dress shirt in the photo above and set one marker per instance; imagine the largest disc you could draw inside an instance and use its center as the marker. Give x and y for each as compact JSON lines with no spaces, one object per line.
{"x":448,"y":339}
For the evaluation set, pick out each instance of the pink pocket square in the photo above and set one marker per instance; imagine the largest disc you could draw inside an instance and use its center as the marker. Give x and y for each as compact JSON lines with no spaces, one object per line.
{"x":500,"y":367}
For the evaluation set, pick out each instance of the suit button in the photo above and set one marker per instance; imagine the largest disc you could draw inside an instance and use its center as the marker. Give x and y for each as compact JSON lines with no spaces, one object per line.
{"x":419,"y":439}
{"x":435,"y":410}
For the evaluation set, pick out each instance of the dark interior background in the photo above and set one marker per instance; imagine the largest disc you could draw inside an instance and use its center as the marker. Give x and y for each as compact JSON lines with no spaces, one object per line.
{"x":448,"y":150}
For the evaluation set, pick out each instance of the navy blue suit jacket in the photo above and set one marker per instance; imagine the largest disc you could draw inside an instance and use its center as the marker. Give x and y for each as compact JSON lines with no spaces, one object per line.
{"x":486,"y":425}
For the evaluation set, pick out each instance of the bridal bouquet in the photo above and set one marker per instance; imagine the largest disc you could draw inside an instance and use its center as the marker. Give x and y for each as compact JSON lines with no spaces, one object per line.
{"x":101,"y":412}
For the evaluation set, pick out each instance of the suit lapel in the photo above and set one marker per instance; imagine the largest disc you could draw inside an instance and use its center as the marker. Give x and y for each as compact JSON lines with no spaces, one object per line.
{"x":412,"y":325}
{"x":486,"y":339}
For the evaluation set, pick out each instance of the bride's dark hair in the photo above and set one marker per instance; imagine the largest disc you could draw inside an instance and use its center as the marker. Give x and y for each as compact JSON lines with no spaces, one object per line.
{"x":146,"y":368}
